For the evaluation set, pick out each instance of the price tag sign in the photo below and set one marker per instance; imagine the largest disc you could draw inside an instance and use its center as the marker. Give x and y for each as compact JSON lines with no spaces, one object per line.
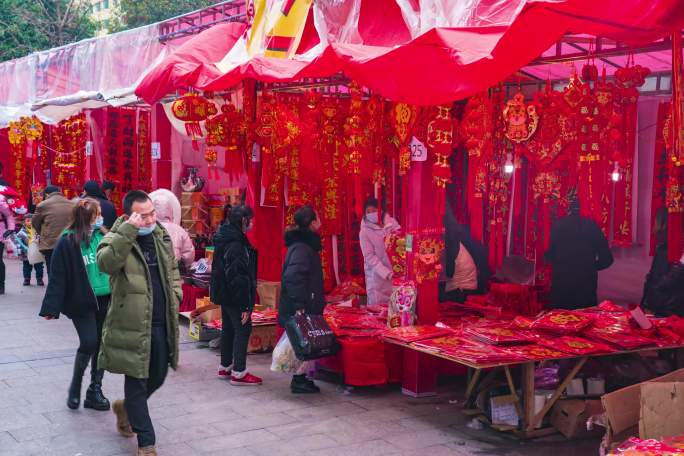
{"x":256,"y":153}
{"x":418,"y":150}
{"x":156,"y":151}
{"x":409,"y":243}
{"x":89,"y":148}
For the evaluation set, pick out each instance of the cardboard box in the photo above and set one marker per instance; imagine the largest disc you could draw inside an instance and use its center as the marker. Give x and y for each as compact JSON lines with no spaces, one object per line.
{"x":192,"y":199}
{"x":269,"y":293}
{"x":200,"y":332}
{"x":503,"y":410}
{"x":263,"y":339}
{"x":623,"y":408}
{"x":570,"y":417}
{"x":662,"y":410}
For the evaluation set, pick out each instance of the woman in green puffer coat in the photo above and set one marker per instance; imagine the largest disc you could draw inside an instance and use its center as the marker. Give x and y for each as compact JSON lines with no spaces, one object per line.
{"x":79,"y":290}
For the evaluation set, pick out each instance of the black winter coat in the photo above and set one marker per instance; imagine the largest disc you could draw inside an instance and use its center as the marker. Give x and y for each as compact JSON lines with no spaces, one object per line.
{"x":302,"y":279}
{"x":233,"y":270}
{"x":664,"y":286}
{"x":69,"y":290}
{"x":577,"y":252}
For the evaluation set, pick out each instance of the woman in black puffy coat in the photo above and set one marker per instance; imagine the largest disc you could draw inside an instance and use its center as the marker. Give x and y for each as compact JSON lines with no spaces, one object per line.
{"x":233,"y":287}
{"x":302,"y":279}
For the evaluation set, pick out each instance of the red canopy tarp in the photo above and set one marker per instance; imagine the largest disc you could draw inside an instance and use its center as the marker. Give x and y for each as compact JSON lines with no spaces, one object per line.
{"x":424,"y":52}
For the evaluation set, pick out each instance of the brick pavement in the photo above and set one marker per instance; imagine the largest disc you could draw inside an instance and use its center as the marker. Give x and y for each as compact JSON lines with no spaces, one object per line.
{"x":196,"y":413}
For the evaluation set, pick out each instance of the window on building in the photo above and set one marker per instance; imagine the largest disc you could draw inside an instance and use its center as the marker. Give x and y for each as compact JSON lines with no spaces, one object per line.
{"x":98,"y":6}
{"x":106,"y":4}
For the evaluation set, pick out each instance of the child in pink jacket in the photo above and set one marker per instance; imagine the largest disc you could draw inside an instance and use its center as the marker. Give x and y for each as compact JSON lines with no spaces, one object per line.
{"x":7,"y":227}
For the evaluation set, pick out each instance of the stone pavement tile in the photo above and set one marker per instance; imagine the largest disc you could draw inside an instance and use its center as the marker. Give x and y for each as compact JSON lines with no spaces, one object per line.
{"x":437,"y":450}
{"x":373,"y":448}
{"x":174,"y":449}
{"x":9,"y":371}
{"x":295,"y":446}
{"x":382,"y":414}
{"x":197,"y":419}
{"x":229,"y":442}
{"x":243,"y":451}
{"x":424,"y":439}
{"x":17,"y":418}
{"x":437,"y":420}
{"x":349,"y":433}
{"x":185,"y":434}
{"x":46,"y":362}
{"x":6,"y":439}
{"x":250,"y":424}
{"x":326,"y":411}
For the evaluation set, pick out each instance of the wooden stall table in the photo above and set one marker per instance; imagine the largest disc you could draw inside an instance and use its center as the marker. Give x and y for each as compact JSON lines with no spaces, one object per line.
{"x":524,"y":405}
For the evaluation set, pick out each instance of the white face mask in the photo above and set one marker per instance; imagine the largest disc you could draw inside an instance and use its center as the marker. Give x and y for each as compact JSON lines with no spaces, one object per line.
{"x":372,"y":217}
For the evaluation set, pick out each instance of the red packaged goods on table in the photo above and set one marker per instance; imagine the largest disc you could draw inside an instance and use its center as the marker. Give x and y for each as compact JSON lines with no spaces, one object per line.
{"x":410,"y":334}
{"x":468,"y":350}
{"x":534,"y":352}
{"x":497,"y":335}
{"x":610,"y":306}
{"x":352,"y":321}
{"x":575,"y":345}
{"x":562,"y":321}
{"x":521,"y":322}
{"x":519,"y":299}
{"x":626,"y":341}
{"x":638,"y":447}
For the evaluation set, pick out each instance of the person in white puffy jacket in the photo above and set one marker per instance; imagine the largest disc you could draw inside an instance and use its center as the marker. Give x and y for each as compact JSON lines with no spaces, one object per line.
{"x":183,"y":247}
{"x":374,"y":228}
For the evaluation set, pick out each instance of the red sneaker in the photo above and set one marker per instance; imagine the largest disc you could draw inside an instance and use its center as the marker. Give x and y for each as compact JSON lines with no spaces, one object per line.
{"x":247,"y":380}
{"x":224,"y":372}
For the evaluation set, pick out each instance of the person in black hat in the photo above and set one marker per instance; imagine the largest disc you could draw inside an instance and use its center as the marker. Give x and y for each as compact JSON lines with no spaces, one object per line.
{"x":108,"y":189}
{"x":91,"y":189}
{"x":578,"y":251}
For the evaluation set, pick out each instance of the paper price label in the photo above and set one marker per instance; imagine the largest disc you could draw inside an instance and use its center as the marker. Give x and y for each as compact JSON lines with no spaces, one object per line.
{"x":418,"y":150}
{"x":89,"y":148}
{"x":156,"y":151}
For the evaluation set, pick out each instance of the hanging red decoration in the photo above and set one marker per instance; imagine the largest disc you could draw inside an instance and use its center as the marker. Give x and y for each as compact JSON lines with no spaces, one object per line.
{"x":193,"y":109}
{"x":440,"y":139}
{"x":403,"y":118}
{"x":520,"y":121}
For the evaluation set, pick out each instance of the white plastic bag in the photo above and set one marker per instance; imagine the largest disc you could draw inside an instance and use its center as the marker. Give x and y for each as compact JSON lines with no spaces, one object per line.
{"x":33,"y":255}
{"x":284,"y":359}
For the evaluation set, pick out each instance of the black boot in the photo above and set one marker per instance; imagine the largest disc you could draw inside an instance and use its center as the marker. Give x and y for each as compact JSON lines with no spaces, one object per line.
{"x":95,"y":399}
{"x":27,"y":282}
{"x":302,"y":385}
{"x":80,"y":365}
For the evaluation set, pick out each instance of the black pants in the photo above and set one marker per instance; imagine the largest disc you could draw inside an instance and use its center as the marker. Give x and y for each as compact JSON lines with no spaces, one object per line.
{"x":48,"y":257}
{"x":2,"y":264}
{"x":89,"y":329}
{"x":234,"y":339}
{"x":138,"y":390}
{"x":28,"y":268}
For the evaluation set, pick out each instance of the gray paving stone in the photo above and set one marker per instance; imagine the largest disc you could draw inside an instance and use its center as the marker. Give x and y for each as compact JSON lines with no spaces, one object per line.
{"x":228,"y":442}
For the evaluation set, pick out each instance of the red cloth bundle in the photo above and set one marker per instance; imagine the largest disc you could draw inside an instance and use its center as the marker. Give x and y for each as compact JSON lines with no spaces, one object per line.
{"x":518,"y":299}
{"x":639,"y":447}
{"x":351,"y":321}
{"x":625,"y":341}
{"x":610,"y":306}
{"x":562,"y":321}
{"x":468,"y":350}
{"x":416,"y":333}
{"x":497,"y":334}
{"x":575,"y":345}
{"x":534,"y":352}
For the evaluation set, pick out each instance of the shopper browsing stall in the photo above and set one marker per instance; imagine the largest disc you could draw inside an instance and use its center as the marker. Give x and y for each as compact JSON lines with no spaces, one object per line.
{"x":183,"y":248}
{"x":7,"y":227}
{"x":79,"y":290}
{"x":91,"y":189}
{"x":25,"y":237}
{"x":233,"y":287}
{"x":375,"y":226}
{"x":578,"y":250}
{"x":52,"y":216}
{"x":140,"y":335}
{"x":302,"y":282}
{"x":466,"y":266}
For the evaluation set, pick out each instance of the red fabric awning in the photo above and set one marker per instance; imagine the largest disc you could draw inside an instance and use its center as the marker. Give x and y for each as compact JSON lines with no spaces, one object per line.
{"x":440,"y":53}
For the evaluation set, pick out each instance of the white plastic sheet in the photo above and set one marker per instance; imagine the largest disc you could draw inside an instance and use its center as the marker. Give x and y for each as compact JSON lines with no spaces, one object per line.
{"x":57,"y":83}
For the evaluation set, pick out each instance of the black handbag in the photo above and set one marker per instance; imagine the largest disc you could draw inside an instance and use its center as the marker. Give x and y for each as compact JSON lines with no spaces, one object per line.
{"x":311,"y":337}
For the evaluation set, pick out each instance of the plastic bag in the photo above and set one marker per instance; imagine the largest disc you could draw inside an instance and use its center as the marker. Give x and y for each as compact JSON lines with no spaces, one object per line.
{"x":547,"y":377}
{"x":284,"y":359}
{"x":33,"y":255}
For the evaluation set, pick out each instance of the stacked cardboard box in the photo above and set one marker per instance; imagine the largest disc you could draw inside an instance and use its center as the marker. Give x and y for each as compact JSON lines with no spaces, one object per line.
{"x":194,"y":213}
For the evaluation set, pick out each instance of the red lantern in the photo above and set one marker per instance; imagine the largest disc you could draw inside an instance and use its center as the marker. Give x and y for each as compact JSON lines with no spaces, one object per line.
{"x":193,"y":109}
